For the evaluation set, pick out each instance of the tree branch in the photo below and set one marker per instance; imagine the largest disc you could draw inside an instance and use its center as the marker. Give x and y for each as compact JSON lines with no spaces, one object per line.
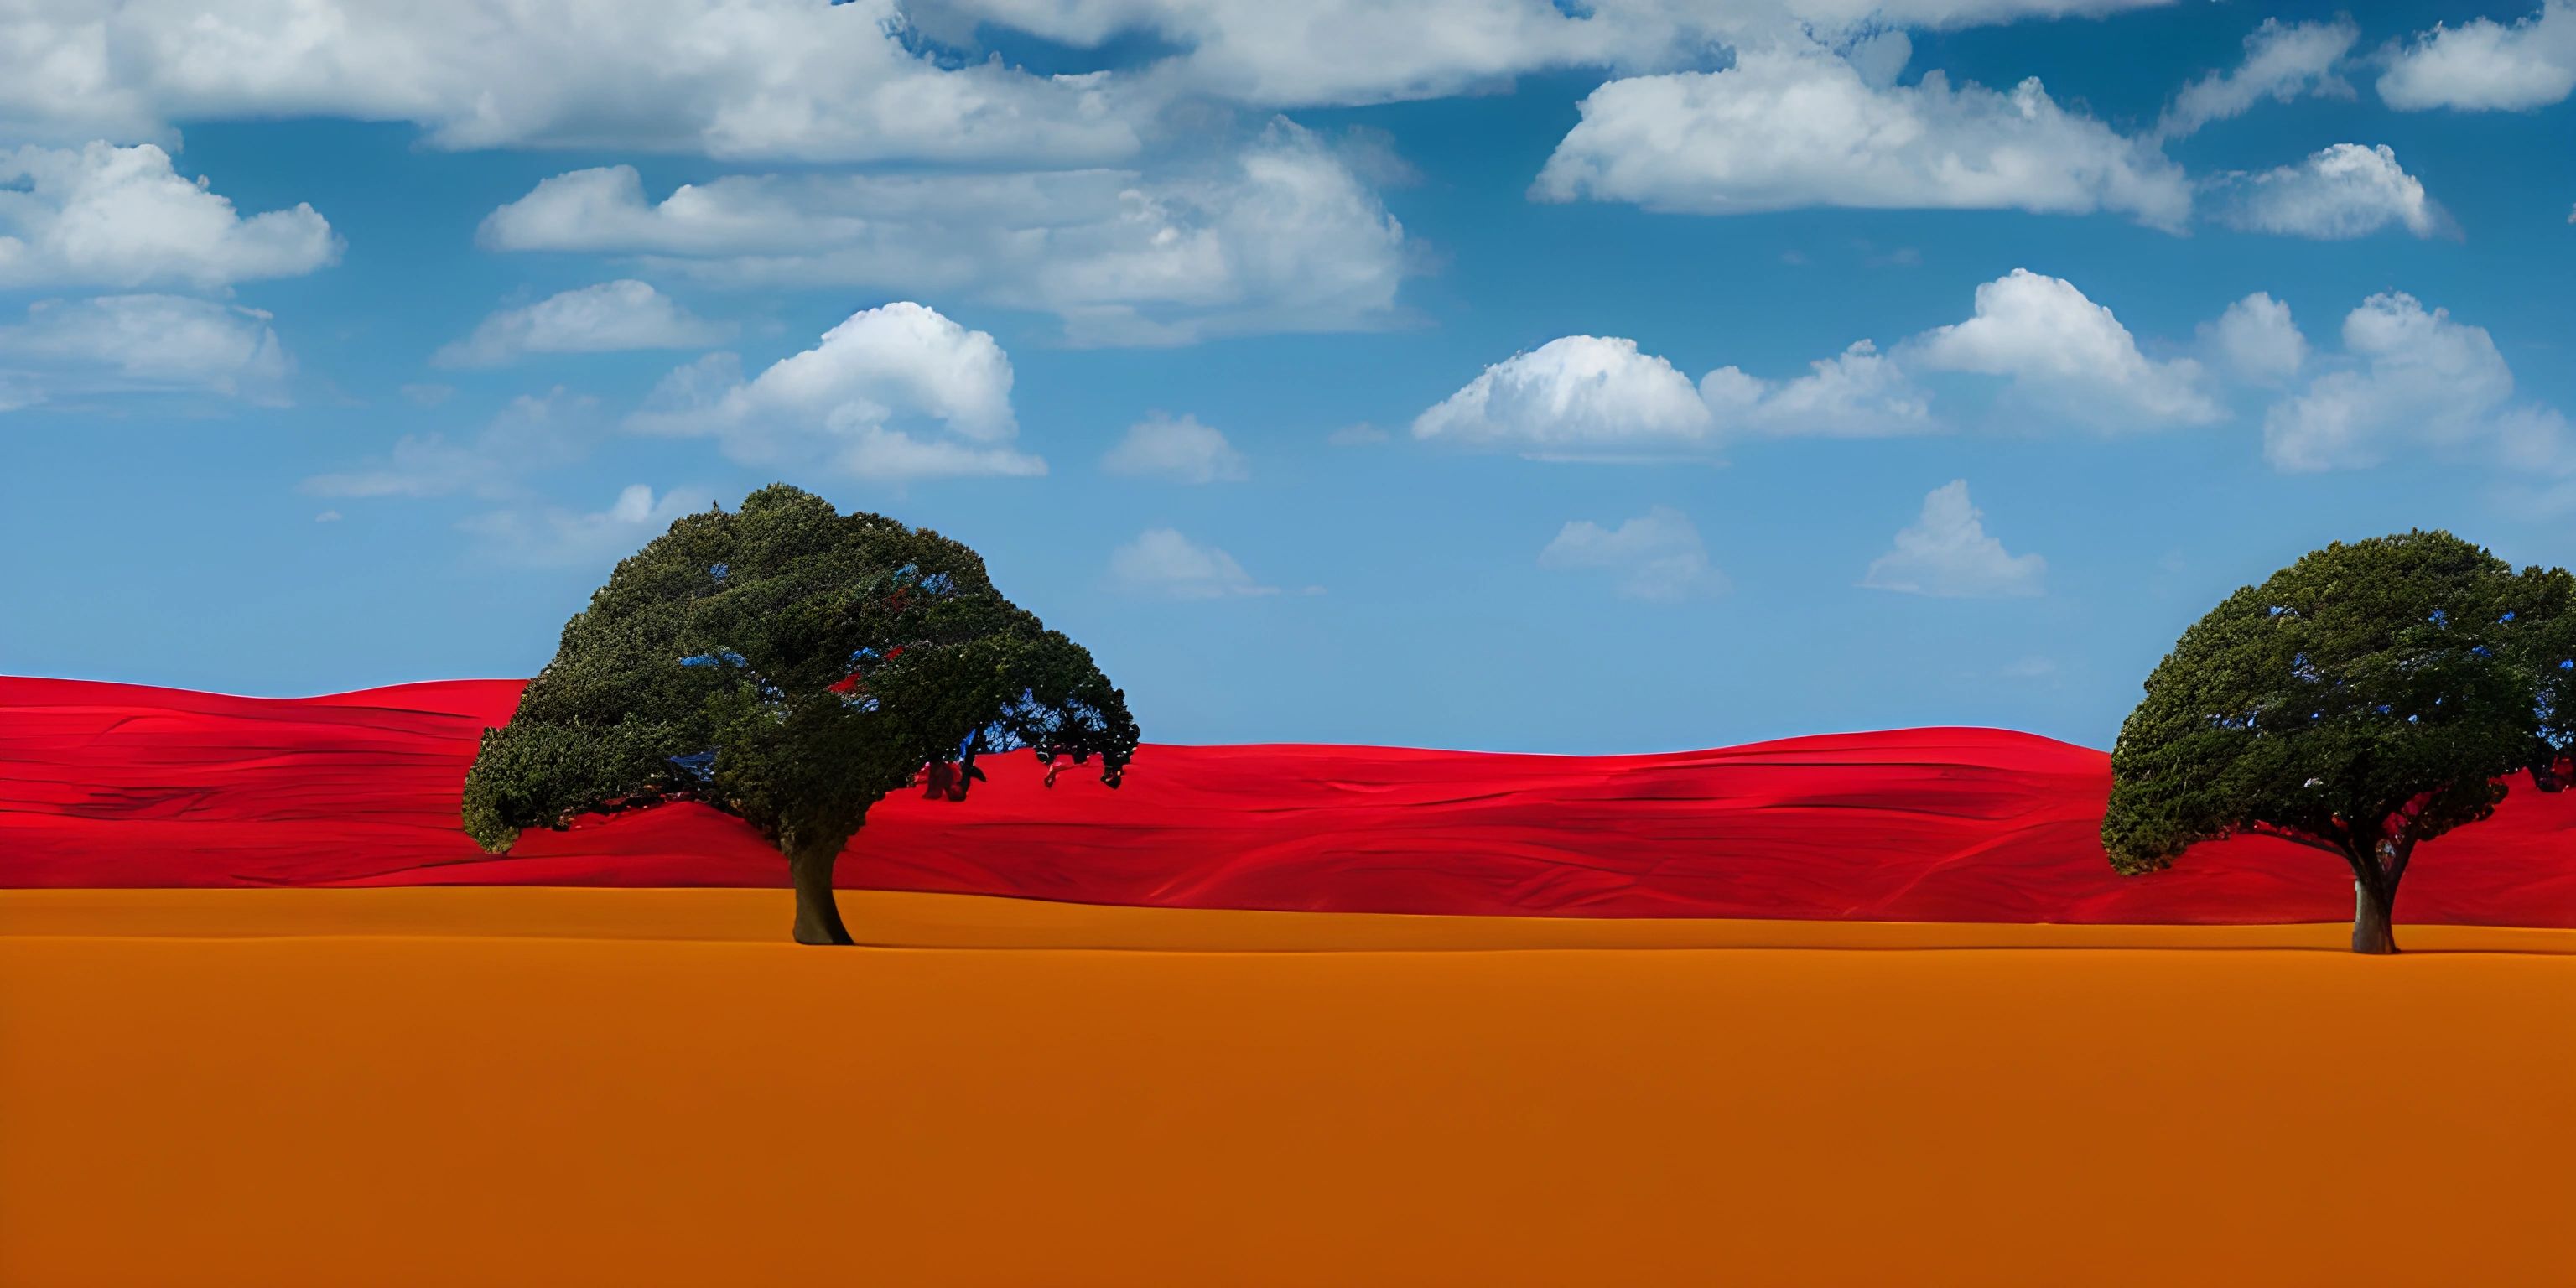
{"x":2297,"y":837}
{"x":2365,"y":868}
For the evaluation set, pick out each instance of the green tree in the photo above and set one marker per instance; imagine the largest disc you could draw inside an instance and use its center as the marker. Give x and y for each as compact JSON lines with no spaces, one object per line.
{"x":2545,"y":647}
{"x":2364,"y":700}
{"x":789,"y":665}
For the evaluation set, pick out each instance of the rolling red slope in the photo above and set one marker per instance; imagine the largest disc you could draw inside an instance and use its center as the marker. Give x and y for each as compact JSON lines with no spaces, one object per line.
{"x":114,"y":785}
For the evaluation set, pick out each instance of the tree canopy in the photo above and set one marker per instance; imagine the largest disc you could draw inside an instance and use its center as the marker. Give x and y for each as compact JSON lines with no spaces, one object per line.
{"x":2363,"y":700}
{"x":790,"y":665}
{"x":2545,"y":648}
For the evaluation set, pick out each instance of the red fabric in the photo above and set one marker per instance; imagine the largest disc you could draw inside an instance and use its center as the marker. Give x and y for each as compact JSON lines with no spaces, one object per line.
{"x":115,"y":785}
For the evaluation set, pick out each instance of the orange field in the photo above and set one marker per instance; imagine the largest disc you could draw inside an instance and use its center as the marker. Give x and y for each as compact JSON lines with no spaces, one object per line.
{"x":558,"y":1087}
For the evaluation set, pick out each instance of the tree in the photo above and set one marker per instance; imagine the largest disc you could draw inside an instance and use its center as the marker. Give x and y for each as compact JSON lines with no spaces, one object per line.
{"x":789,"y":665}
{"x":2545,"y":649}
{"x":2364,"y":700}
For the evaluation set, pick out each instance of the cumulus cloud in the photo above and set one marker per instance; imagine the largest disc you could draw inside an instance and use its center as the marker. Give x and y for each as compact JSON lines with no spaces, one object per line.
{"x":554,"y":535}
{"x":892,"y":394}
{"x":787,"y":79}
{"x":1587,"y":397}
{"x":123,"y":344}
{"x":1160,"y":561}
{"x":532,"y":433}
{"x":1858,"y":393}
{"x":2341,"y":192}
{"x":612,"y":316}
{"x":1599,"y":398}
{"x":1182,"y":451}
{"x":2410,"y":377}
{"x":2485,"y":65}
{"x":1578,"y":395}
{"x":58,"y":83}
{"x":1789,"y":127}
{"x":1658,"y":555}
{"x":1281,"y":237}
{"x":2256,"y":340}
{"x":2067,"y":352}
{"x":1320,"y":52}
{"x":864,"y":81}
{"x":2283,"y":61}
{"x":1948,"y":554}
{"x":123,"y":217}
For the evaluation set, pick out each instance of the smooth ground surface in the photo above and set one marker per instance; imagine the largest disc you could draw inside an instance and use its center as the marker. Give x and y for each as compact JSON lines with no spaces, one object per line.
{"x":905,"y":919}
{"x":435,"y":1109}
{"x":116,"y":785}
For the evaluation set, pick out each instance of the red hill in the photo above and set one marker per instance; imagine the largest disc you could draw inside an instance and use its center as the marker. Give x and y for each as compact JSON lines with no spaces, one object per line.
{"x":117,"y":785}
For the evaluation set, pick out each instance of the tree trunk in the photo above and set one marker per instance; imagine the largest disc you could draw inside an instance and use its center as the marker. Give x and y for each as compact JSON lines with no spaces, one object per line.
{"x":2371,"y":932}
{"x":818,"y":914}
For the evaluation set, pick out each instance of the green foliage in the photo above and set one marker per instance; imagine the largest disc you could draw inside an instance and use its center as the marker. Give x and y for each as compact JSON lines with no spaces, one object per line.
{"x":2545,"y":649}
{"x":2367,"y":698}
{"x":789,"y":665}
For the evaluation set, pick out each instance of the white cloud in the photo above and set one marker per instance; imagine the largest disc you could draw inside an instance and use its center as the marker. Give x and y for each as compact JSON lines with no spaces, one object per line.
{"x":1579,"y":395}
{"x":124,"y":218}
{"x":327,"y":516}
{"x":2283,"y":61}
{"x":892,"y":394}
{"x":553,"y":535}
{"x":1362,"y":434}
{"x":1318,"y":52}
{"x":2066,"y":351}
{"x":531,"y":433}
{"x":116,"y":344}
{"x":2343,"y":191}
{"x":58,"y":82}
{"x":1282,"y":236}
{"x":612,"y":316}
{"x":1183,"y":451}
{"x":1880,"y":57}
{"x":2256,"y":340}
{"x":1658,"y":555}
{"x":813,"y":81}
{"x":426,"y":395}
{"x":788,"y":79}
{"x":1948,"y":554}
{"x":2485,"y":65}
{"x":1161,"y":561}
{"x":1587,"y":397}
{"x":1786,"y":128}
{"x":1858,"y":393}
{"x":2412,"y":378}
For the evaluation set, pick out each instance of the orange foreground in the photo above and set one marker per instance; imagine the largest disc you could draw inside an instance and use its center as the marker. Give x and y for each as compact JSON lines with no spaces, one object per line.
{"x":421,"y":1087}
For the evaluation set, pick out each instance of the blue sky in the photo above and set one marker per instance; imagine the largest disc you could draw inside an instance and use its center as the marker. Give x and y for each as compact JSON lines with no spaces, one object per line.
{"x":1444,"y":374}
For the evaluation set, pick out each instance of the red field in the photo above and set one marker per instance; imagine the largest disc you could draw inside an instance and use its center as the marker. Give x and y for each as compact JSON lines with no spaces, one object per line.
{"x":112,"y":785}
{"x":455,"y":1069}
